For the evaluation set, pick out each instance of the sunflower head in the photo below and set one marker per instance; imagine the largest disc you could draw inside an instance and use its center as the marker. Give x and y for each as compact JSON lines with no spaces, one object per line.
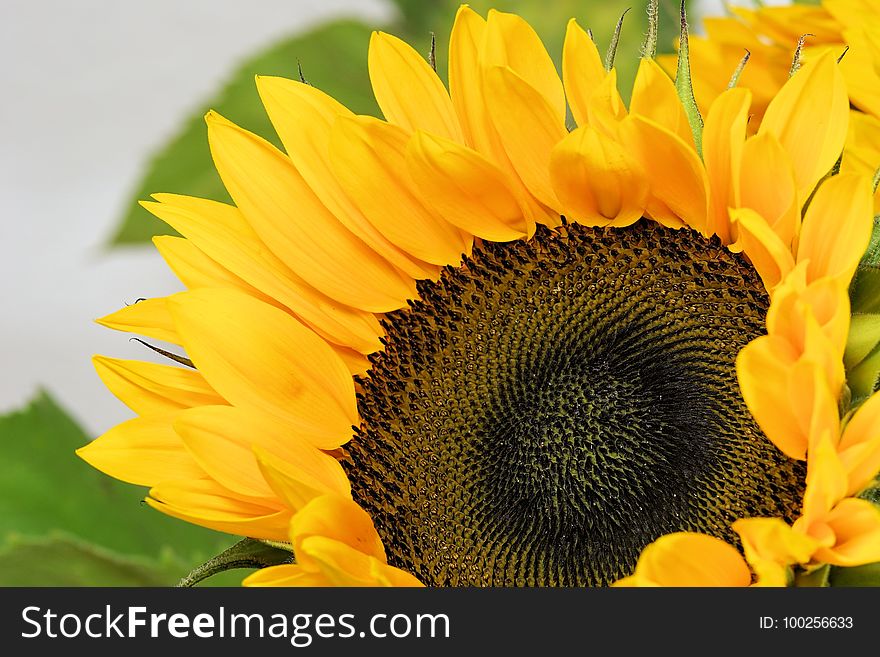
{"x":470,"y":344}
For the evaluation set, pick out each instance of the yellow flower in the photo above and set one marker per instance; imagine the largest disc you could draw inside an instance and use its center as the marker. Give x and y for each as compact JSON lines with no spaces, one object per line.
{"x":467,"y":345}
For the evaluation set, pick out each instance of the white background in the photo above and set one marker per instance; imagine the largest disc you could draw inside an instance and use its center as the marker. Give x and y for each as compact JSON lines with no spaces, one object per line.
{"x":88,"y":90}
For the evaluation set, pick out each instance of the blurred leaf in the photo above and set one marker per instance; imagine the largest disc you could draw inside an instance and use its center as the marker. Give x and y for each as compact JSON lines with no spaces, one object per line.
{"x":334,"y":59}
{"x":868,"y":575}
{"x":45,"y":487}
{"x":61,"y":560}
{"x":332,"y":56}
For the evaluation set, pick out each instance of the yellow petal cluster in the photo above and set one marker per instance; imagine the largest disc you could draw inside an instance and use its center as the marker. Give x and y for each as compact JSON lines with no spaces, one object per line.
{"x":845,"y":29}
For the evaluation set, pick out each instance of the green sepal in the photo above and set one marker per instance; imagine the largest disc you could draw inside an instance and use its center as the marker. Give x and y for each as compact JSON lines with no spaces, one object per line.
{"x":247,"y":553}
{"x":868,"y":575}
{"x":685,"y":87}
{"x":796,"y":59}
{"x":734,"y":79}
{"x":611,"y":53}
{"x":649,"y":47}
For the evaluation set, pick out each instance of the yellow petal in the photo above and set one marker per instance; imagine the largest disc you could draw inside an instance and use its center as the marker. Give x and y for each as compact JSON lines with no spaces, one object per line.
{"x":466,"y":189}
{"x":297,"y":482}
{"x":654,"y":97}
{"x":149,"y":317}
{"x":773,"y":538}
{"x":864,"y":425}
{"x":195,"y":269}
{"x":259,"y":357}
{"x":770,"y":545}
{"x":582,"y":70}
{"x":235,"y":446}
{"x":469,"y":99}
{"x":789,"y":399}
{"x":688,"y":559}
{"x":596,"y":181}
{"x":303,"y":117}
{"x":297,"y":226}
{"x":221,"y":232}
{"x":861,"y":70}
{"x":676,"y":174}
{"x":862,"y":152}
{"x":723,"y":137}
{"x":859,"y":446}
{"x":824,"y":303}
{"x":408,"y":91}
{"x":465,"y":86}
{"x":528,"y":128}
{"x":221,"y":450}
{"x":605,"y":109}
{"x":344,"y":566}
{"x":285,"y":575}
{"x":208,"y":504}
{"x":856,"y":527}
{"x":510,"y":42}
{"x":809,"y":116}
{"x":826,"y":481}
{"x":771,"y":258}
{"x":143,"y":451}
{"x":767,"y":185}
{"x":837,"y":228}
{"x":386,"y":196}
{"x":340,"y":519}
{"x":150,"y":388}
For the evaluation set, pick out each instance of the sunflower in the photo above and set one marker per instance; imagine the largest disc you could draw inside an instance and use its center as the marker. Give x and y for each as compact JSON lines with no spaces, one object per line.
{"x":467,"y":345}
{"x":848,"y":28}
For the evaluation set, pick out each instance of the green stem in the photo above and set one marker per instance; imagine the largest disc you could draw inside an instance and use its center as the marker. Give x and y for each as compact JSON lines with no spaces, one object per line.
{"x":247,"y":553}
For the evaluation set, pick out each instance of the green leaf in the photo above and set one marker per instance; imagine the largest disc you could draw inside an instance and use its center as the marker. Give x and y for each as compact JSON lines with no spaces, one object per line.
{"x":333,"y":57}
{"x":868,"y":575}
{"x":61,"y":560}
{"x":872,"y":253}
{"x":864,"y":335}
{"x":45,"y":488}
{"x":865,"y":290}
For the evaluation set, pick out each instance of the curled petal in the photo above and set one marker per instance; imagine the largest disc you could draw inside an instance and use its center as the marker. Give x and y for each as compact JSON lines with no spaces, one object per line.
{"x":596,"y":181}
{"x":856,"y":527}
{"x":677,"y":176}
{"x":789,"y":398}
{"x":770,"y":256}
